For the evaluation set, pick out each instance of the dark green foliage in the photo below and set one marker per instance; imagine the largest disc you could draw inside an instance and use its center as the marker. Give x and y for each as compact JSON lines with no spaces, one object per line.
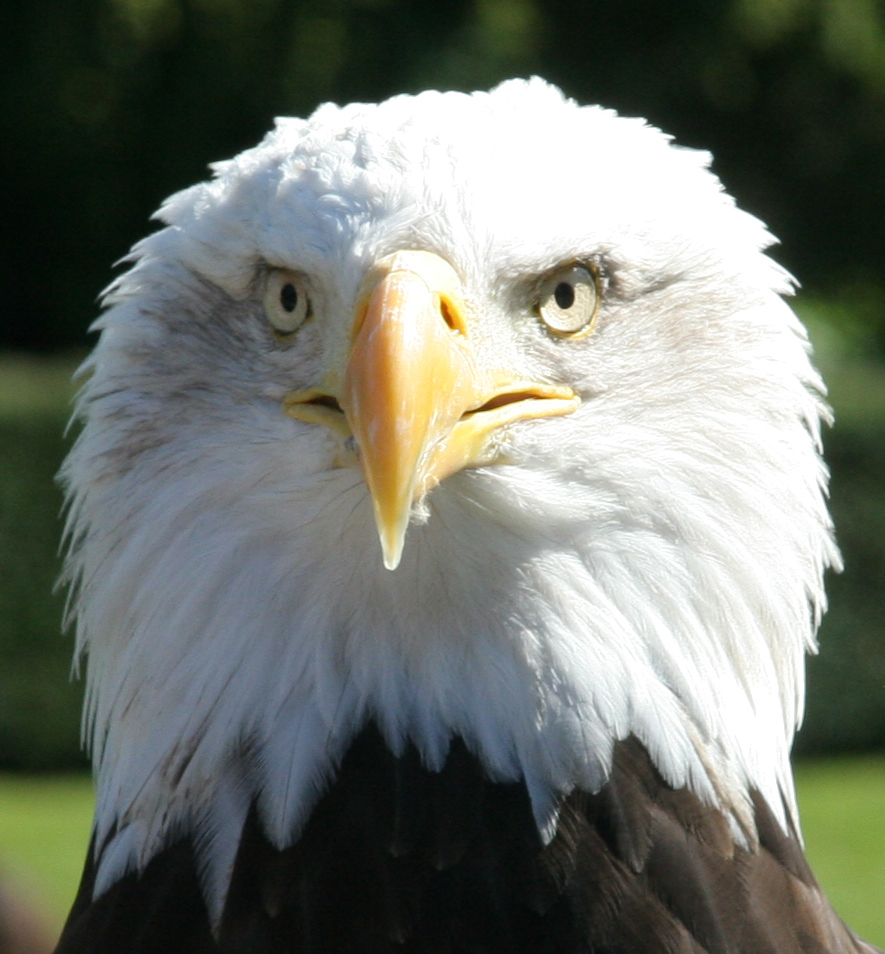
{"x":846,"y":696}
{"x":107,"y":106}
{"x":39,"y":704}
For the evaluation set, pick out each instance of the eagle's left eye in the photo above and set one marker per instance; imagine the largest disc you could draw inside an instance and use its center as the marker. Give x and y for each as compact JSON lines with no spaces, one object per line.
{"x":286,"y":303}
{"x":568,"y":301}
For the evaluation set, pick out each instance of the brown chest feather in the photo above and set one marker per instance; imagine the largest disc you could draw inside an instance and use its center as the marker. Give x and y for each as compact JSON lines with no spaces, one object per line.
{"x":399,"y":860}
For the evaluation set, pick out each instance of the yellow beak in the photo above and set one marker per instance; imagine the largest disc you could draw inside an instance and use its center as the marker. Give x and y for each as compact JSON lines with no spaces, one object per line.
{"x":414,"y":395}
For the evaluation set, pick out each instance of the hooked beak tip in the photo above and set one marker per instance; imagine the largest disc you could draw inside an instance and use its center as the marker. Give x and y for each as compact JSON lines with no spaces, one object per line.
{"x":392,"y":547}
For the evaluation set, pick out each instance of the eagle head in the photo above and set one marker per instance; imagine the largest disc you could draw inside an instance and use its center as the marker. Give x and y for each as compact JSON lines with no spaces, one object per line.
{"x":477,"y":416}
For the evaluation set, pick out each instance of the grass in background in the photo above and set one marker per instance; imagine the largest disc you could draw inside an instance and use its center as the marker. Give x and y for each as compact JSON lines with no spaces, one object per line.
{"x":842,"y":805}
{"x":45,"y":822}
{"x":35,"y":385}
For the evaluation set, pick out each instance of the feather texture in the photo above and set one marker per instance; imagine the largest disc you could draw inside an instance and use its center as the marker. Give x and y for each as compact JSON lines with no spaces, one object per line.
{"x":649,"y":567}
{"x":399,"y":859}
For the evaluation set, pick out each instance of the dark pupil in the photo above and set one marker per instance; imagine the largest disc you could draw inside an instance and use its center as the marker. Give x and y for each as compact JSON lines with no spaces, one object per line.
{"x":564,"y":295}
{"x":289,"y":297}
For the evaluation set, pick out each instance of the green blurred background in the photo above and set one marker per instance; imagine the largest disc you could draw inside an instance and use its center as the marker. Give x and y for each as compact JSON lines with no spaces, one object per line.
{"x":107,"y":106}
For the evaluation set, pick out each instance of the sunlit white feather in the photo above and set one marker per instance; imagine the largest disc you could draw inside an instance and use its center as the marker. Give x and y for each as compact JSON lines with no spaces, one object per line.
{"x":651,"y":564}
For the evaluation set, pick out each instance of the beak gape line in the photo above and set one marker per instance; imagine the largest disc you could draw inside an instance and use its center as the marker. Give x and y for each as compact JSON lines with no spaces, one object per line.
{"x":415,"y":399}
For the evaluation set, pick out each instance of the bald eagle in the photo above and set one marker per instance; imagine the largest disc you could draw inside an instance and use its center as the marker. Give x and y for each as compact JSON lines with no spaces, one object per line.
{"x":447,"y":529}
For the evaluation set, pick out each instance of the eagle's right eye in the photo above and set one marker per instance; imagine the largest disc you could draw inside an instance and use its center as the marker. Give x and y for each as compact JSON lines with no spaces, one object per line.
{"x":568,"y":300}
{"x":286,"y":303}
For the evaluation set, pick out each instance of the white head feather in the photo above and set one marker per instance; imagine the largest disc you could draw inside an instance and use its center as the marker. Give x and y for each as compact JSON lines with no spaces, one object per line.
{"x":651,"y":564}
